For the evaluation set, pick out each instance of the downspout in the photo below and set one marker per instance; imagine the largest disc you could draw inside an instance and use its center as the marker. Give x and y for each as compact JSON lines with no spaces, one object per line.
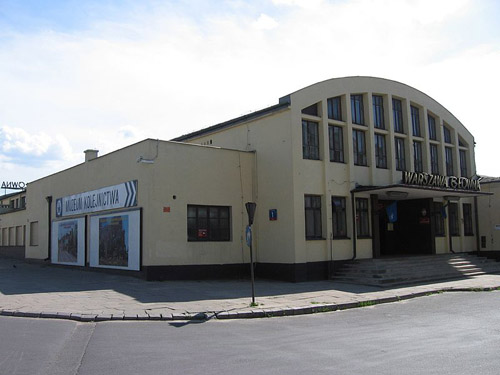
{"x":49,"y":236}
{"x":353,"y":208}
{"x":450,"y":238}
{"x":476,"y":216}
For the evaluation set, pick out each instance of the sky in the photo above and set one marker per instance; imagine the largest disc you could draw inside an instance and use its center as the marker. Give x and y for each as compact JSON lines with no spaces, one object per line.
{"x":77,"y":75}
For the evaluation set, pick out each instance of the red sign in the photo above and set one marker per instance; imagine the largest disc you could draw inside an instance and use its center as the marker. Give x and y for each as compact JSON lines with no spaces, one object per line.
{"x":202,"y":233}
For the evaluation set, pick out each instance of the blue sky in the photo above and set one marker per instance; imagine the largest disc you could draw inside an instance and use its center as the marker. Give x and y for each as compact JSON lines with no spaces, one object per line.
{"x":103,"y":74}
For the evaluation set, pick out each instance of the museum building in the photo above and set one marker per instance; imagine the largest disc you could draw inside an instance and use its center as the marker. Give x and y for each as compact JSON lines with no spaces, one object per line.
{"x":348,"y":168}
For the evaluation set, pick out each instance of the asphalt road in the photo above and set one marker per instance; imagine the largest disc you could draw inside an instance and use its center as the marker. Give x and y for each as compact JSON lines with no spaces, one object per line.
{"x":451,"y":333}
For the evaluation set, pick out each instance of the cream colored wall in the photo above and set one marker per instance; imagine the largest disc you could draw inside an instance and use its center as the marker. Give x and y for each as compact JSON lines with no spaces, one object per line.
{"x":10,"y":224}
{"x":489,"y":216}
{"x":194,"y":174}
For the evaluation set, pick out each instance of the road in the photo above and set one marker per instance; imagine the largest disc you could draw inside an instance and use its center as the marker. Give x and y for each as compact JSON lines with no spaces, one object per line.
{"x":450,"y":333}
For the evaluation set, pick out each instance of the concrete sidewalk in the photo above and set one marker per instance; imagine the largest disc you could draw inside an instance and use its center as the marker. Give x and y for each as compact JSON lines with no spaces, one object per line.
{"x":44,"y":291}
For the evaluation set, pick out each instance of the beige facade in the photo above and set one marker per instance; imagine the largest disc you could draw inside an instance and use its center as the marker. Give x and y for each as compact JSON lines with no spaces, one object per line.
{"x":489,"y":219}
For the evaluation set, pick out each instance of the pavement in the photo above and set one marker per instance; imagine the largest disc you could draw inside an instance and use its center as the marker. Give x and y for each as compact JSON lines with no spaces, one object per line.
{"x":47,"y":291}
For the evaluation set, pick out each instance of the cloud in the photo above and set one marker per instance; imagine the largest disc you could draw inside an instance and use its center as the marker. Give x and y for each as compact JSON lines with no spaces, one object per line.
{"x":264,"y":22}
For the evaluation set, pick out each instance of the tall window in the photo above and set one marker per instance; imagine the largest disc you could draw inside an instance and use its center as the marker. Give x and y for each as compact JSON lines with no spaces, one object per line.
{"x":357,"y":110}
{"x":380,"y":151}
{"x":208,"y":223}
{"x":359,"y":145}
{"x":362,"y":221}
{"x":417,"y":154}
{"x":434,"y":159}
{"x":463,"y":163}
{"x":432,"y":127}
{"x":448,"y":153}
{"x":453,"y":217}
{"x":311,"y":110}
{"x":339,"y":217}
{"x":468,"y":229}
{"x":310,"y":140}
{"x":336,"y":144}
{"x":400,"y":154}
{"x":415,"y":121}
{"x":438,"y":218}
{"x":312,"y":205}
{"x":334,"y":108}
{"x":397,"y":111}
{"x":447,"y":134}
{"x":378,"y":111}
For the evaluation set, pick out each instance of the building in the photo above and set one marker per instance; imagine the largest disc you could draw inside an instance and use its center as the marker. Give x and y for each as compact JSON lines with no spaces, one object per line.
{"x":354,"y":167}
{"x":489,"y":220}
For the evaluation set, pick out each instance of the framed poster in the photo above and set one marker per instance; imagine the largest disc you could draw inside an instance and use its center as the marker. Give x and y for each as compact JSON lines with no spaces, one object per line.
{"x":68,"y":242}
{"x":115,"y":240}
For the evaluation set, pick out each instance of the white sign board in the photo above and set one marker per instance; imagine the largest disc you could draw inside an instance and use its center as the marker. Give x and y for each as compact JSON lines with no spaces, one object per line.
{"x":111,"y":197}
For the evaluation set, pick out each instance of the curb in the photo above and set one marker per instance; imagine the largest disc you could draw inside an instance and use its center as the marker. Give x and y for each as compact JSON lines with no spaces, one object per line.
{"x":243,"y":314}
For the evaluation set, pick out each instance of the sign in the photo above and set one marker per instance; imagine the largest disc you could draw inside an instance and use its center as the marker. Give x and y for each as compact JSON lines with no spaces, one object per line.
{"x":497,"y":227}
{"x":248,"y":234}
{"x":111,"y":197}
{"x":273,"y":214}
{"x":13,"y":185}
{"x":449,"y":182}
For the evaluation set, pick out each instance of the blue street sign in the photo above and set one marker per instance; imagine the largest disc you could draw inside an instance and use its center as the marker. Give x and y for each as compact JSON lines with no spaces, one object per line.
{"x":249,"y":235}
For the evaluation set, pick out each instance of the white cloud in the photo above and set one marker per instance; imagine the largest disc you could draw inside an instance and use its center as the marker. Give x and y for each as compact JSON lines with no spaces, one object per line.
{"x":264,"y":22}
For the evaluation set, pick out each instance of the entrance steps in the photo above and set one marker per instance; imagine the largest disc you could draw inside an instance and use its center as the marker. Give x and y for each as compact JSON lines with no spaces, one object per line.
{"x":398,"y":271}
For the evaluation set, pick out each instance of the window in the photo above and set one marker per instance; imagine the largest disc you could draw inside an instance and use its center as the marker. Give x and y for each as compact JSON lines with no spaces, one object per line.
{"x":400,"y":154}
{"x":339,"y":217}
{"x":208,"y":223}
{"x":312,"y":205}
{"x":334,"y":109}
{"x":357,"y":110}
{"x":23,"y":202}
{"x":380,"y":151}
{"x":448,"y":152}
{"x":438,"y":217}
{"x":447,"y":134}
{"x":378,"y":111}
{"x":415,"y":121}
{"x":34,"y":233}
{"x":468,"y":231}
{"x":463,"y":163}
{"x":434,"y":159}
{"x":397,"y":111}
{"x":362,"y":223}
{"x":359,"y":145}
{"x":453,"y":217}
{"x":311,"y":110}
{"x":417,"y":154}
{"x":432,"y":127}
{"x":310,"y":140}
{"x":336,"y":144}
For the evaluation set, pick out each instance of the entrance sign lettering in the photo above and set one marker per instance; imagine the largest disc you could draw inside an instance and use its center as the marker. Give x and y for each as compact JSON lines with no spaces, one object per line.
{"x":431,"y":180}
{"x":111,"y":197}
{"x":13,"y":185}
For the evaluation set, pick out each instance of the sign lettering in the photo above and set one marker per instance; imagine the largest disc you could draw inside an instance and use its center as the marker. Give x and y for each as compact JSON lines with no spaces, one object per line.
{"x":449,"y":182}
{"x":13,"y":185}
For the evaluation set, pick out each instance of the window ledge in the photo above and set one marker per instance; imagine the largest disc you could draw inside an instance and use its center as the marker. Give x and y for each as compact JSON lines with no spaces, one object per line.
{"x":341,"y":238}
{"x":315,"y":239}
{"x":364,"y":237}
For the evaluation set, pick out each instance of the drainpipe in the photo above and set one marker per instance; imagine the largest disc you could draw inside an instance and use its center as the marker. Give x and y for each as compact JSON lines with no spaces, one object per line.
{"x":353,"y":208}
{"x":476,"y":217}
{"x":450,"y":238}
{"x":49,"y":217}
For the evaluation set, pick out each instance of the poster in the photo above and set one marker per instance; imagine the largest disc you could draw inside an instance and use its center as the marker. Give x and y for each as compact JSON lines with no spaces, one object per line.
{"x":68,"y":242}
{"x":115,"y":240}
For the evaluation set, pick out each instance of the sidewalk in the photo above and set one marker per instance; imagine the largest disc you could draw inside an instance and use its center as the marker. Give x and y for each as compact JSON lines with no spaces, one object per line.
{"x":44,"y":291}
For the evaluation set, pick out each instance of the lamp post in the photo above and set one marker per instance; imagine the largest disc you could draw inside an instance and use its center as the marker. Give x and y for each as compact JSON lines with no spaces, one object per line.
{"x":250,"y":206}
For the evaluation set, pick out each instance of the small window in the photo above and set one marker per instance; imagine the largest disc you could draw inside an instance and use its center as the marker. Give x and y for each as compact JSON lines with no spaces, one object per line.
{"x":334,"y":108}
{"x":380,"y":151}
{"x":415,"y":121}
{"x":208,"y":223}
{"x":362,"y":221}
{"x":310,"y":140}
{"x":468,"y":229}
{"x":434,"y":159}
{"x":312,"y":206}
{"x":447,"y":134}
{"x":339,"y":217}
{"x":336,"y":142}
{"x":357,"y":109}
{"x":438,"y":218}
{"x":378,"y":111}
{"x":400,"y":154}
{"x":311,"y":110}
{"x":432,"y":127}
{"x":448,"y":153}
{"x":359,"y":147}
{"x":417,"y":153}
{"x":397,"y":111}
{"x":463,"y":163}
{"x":34,"y":233}
{"x":453,"y":217}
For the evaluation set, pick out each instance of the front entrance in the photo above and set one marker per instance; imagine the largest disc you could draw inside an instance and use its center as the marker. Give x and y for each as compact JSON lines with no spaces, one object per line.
{"x":411,"y":233}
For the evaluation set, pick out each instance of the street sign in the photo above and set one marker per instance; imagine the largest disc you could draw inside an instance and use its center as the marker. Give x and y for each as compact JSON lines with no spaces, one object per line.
{"x":249,"y":235}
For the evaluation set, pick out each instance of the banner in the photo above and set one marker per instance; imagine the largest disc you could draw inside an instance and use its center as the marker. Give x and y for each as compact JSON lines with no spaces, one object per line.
{"x":111,"y":197}
{"x":68,"y":242}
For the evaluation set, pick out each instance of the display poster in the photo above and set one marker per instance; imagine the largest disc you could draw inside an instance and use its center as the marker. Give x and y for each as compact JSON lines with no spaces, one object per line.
{"x":68,"y":242}
{"x":115,"y":240}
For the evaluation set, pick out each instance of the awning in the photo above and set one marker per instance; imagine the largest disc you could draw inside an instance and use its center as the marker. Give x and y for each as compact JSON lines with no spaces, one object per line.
{"x":404,"y":192}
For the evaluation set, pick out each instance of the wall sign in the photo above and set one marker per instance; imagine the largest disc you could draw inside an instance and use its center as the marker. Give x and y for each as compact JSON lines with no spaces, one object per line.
{"x":68,"y":242}
{"x":431,"y":180}
{"x":111,"y":197}
{"x":13,"y":185}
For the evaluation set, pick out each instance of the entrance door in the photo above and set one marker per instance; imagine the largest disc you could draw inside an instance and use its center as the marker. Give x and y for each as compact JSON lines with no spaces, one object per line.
{"x":411,"y":233}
